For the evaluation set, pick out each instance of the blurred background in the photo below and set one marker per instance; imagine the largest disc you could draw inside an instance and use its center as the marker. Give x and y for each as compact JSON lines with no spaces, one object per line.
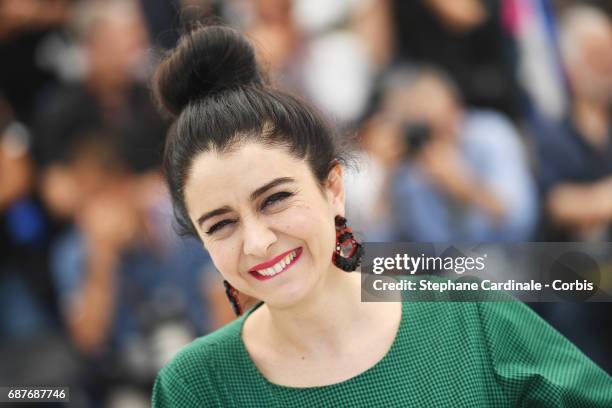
{"x":473,"y":120}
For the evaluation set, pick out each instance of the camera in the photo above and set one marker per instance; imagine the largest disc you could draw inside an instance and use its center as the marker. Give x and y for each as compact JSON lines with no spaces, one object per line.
{"x":416,"y":135}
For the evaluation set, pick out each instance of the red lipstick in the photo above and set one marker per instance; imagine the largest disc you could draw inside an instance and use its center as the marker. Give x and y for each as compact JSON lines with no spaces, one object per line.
{"x":273,"y":261}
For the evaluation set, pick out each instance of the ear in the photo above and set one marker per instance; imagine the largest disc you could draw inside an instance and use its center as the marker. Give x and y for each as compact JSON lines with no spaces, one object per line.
{"x":335,"y":188}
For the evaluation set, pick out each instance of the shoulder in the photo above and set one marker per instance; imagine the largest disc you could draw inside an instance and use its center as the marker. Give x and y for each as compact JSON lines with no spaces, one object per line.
{"x":489,"y":126}
{"x":536,"y":363}
{"x":191,"y":377}
{"x":486,"y":118}
{"x":514,"y":331}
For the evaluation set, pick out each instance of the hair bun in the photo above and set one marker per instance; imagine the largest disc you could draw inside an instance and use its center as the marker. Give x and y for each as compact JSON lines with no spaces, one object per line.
{"x":206,"y":60}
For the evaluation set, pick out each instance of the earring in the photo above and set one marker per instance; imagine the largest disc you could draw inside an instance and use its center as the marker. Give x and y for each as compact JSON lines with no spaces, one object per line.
{"x":232,"y":295}
{"x":348,"y":253}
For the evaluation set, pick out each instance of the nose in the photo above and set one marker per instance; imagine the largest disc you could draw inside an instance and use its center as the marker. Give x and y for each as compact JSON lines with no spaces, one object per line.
{"x":257,"y":238}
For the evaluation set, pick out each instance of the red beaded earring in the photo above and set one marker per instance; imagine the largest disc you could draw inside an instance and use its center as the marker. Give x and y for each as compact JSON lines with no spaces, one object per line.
{"x":232,"y":295}
{"x":348,"y":252}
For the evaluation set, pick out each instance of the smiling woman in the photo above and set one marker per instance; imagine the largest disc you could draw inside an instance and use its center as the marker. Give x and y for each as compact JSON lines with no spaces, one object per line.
{"x":257,"y":176}
{"x":249,"y":221}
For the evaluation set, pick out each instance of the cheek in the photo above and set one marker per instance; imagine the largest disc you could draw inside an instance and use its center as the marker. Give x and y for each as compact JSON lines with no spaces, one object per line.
{"x":309,"y":224}
{"x":225,"y":255}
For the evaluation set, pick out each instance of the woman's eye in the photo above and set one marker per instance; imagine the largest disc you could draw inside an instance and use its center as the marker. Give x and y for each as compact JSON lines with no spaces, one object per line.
{"x":218,"y":226}
{"x":274,"y":198}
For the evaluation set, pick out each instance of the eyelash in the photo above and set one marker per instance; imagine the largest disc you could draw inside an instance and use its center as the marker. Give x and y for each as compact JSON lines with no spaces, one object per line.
{"x":274,"y":198}
{"x":218,"y":226}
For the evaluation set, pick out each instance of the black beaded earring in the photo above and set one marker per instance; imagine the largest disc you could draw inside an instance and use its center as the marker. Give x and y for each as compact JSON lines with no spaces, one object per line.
{"x":348,"y":252}
{"x":232,"y":295}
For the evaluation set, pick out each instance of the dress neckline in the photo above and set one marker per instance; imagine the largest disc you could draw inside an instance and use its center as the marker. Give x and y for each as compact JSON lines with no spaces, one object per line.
{"x":368,"y":372}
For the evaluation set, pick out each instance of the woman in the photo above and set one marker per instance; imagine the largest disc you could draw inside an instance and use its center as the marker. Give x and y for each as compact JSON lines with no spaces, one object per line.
{"x":257,"y":176}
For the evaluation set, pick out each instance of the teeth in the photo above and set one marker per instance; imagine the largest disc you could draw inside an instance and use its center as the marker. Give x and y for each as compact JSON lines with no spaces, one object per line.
{"x":273,"y":270}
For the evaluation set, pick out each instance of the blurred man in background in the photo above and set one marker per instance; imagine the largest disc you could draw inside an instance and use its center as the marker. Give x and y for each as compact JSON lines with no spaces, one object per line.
{"x":131,"y":291}
{"x":464,"y":175}
{"x":111,"y":93}
{"x":575,"y":169}
{"x":576,"y":155}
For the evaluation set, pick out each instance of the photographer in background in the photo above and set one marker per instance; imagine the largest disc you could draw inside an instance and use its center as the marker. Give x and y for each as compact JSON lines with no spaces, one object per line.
{"x":463,"y":173}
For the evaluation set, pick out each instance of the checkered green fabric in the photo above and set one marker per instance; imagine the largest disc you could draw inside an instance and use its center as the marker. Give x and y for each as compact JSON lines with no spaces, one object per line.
{"x":446,"y":354}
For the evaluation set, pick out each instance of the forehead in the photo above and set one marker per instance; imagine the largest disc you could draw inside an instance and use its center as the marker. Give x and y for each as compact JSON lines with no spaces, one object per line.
{"x":427,"y":96}
{"x":217,"y":178}
{"x":599,"y":42}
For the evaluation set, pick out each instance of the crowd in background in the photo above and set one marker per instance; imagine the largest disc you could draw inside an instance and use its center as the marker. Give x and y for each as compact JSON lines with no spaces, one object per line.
{"x":471,"y":120}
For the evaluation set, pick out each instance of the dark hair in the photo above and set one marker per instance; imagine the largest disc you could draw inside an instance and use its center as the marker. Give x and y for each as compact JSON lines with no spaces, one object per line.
{"x":220,"y":99}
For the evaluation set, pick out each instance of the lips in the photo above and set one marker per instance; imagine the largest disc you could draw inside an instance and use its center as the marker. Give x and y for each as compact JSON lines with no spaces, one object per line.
{"x":276,"y":266}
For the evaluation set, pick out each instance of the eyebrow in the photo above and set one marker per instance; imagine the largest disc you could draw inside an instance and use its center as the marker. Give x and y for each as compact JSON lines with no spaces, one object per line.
{"x":268,"y":186}
{"x":213,"y":213}
{"x":261,"y":190}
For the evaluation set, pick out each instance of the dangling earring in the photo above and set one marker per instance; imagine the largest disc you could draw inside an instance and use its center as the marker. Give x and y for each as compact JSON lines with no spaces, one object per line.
{"x":348,"y":253}
{"x":232,"y":295}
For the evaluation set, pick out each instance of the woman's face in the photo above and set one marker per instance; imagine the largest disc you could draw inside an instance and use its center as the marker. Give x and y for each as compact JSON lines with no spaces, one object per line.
{"x":257,"y":205}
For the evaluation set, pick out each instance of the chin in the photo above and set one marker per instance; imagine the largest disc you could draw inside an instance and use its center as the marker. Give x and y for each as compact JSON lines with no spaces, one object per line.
{"x":288,"y":296}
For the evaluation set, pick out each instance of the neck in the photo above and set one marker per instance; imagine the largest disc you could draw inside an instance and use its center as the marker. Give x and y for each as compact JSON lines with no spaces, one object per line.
{"x":592,"y":119}
{"x":330,"y":316}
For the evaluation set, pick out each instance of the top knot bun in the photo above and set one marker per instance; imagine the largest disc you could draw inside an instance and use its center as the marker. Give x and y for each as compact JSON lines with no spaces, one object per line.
{"x":206,"y":60}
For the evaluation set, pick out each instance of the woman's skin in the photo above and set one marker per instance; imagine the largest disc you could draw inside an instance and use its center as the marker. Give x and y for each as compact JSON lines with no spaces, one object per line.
{"x":313,"y":329}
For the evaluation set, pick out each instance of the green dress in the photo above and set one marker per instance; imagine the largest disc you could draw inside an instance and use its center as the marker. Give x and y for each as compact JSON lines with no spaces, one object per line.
{"x":445,"y":354}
